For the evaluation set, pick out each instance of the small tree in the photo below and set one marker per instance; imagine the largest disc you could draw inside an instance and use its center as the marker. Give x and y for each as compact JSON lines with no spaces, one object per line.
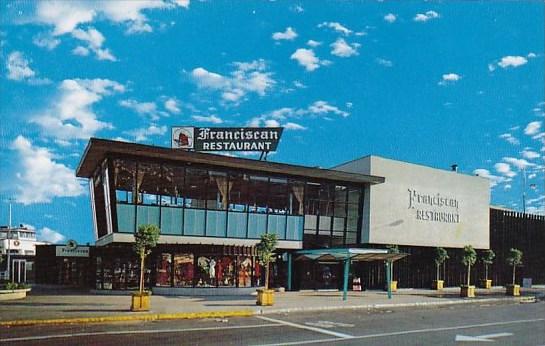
{"x":514,"y":259}
{"x":265,"y":252}
{"x":469,"y":259}
{"x":487,"y":259}
{"x":441,"y":256}
{"x":145,"y":239}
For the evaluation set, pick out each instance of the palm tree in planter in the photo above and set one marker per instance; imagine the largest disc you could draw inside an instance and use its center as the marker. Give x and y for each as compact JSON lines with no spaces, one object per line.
{"x":468,"y":259}
{"x":514,"y":259}
{"x":265,"y":252}
{"x":441,"y":256}
{"x":487,"y":259}
{"x":393,"y":283}
{"x":145,"y":239}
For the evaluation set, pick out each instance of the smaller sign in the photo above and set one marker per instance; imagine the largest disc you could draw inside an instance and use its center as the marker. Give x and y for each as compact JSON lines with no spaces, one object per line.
{"x":262,"y":139}
{"x":65,"y":251}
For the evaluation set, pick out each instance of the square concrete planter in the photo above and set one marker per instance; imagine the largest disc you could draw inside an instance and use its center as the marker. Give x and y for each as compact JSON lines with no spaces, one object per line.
{"x":513,"y":290}
{"x":140,"y":302}
{"x":485,"y":284}
{"x":265,"y":297}
{"x":393,"y":285}
{"x":467,"y":291}
{"x":437,"y":284}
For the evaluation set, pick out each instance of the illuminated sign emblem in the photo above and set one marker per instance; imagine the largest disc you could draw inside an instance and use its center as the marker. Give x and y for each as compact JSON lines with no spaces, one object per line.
{"x":264,"y":139}
{"x":183,"y":137}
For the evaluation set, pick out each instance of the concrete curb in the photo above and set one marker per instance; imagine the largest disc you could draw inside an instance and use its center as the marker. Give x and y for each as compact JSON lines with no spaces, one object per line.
{"x":249,"y":313}
{"x":527,"y":299}
{"x":138,"y":317}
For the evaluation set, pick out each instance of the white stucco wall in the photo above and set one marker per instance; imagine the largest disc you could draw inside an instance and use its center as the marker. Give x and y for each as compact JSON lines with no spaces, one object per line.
{"x":423,"y":206}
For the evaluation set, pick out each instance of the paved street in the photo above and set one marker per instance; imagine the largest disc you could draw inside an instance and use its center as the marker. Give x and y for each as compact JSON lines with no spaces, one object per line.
{"x":503,"y":323}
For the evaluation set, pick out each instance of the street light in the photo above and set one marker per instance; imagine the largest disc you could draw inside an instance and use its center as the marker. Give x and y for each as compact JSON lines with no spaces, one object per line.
{"x":9,"y":242}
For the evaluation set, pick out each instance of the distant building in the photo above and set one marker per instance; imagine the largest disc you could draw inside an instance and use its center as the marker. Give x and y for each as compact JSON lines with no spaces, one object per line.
{"x":21,"y":243}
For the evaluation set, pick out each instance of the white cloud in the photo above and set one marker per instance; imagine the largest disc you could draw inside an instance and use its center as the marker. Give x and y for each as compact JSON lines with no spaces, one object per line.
{"x":343,"y":49}
{"x":272,"y":123}
{"x":147,"y":109}
{"x":509,"y":138}
{"x":449,"y":78}
{"x":18,"y":67}
{"x":507,"y":187}
{"x":294,"y":126}
{"x":279,"y":116}
{"x":94,"y":40}
{"x":208,"y":119}
{"x":530,"y":154}
{"x":182,"y":3}
{"x":494,"y":179}
{"x":70,"y":115}
{"x":504,"y":169}
{"x":46,"y":234}
{"x":39,"y":177}
{"x":531,"y":55}
{"x":313,"y":43}
{"x":512,"y":61}
{"x":532,"y":128}
{"x":390,"y":17}
{"x":424,"y":17}
{"x":336,"y":26}
{"x":306,"y":58}
{"x":384,"y":62}
{"x":143,"y":134}
{"x":322,"y":107}
{"x":65,"y":16}
{"x":519,"y":163}
{"x":172,"y":105}
{"x":46,"y":41}
{"x":297,"y":9}
{"x":251,"y":77}
{"x":80,"y":50}
{"x":289,"y":34}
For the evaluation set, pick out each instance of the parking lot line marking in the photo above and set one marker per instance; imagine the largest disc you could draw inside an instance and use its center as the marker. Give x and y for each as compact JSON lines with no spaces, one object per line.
{"x":406,"y":332}
{"x":124,"y":332}
{"x":302,"y":326}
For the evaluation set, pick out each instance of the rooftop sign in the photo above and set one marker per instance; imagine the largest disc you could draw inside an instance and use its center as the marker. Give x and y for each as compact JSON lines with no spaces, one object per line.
{"x":263,"y":139}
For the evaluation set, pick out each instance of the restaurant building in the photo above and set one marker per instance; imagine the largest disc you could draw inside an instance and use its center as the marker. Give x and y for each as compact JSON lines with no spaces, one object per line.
{"x":212,"y":209}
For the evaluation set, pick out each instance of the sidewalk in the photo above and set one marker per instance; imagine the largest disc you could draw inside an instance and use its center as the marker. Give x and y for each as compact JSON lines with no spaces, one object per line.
{"x":64,"y":305}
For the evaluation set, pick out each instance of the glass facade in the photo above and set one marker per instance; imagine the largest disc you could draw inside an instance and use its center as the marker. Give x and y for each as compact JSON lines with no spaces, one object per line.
{"x":191,"y":200}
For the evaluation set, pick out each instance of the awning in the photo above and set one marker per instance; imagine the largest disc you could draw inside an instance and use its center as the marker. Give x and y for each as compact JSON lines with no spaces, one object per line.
{"x":354,"y":254}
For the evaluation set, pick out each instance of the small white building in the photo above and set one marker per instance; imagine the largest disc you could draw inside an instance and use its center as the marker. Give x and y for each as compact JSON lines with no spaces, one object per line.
{"x":21,"y":243}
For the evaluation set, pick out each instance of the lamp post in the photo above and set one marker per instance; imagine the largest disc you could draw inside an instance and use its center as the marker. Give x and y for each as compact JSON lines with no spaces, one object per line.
{"x":9,"y":242}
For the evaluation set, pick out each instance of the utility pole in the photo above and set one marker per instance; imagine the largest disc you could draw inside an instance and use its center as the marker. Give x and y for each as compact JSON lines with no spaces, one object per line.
{"x":9,"y":241}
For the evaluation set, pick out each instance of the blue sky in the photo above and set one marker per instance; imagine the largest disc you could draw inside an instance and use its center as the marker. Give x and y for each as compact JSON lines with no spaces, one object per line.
{"x":433,"y":83}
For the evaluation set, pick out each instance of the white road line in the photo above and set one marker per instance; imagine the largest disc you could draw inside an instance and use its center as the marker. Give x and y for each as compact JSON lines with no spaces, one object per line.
{"x":406,"y":332}
{"x":123,"y":332}
{"x":302,"y":326}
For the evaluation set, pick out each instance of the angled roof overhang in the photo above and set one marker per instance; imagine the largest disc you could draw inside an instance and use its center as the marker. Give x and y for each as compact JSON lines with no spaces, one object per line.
{"x":99,"y":149}
{"x":354,"y":254}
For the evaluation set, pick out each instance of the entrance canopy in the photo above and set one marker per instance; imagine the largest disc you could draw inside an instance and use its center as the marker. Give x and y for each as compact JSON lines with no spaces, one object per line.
{"x":348,"y":255}
{"x":353,"y":254}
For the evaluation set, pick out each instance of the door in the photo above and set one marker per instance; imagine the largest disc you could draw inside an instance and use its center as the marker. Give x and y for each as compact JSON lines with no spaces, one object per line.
{"x":18,"y":274}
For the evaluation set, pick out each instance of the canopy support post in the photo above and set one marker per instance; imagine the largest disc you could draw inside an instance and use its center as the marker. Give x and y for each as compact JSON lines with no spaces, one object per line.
{"x":389,"y":278}
{"x":345,"y":279}
{"x":290,"y":264}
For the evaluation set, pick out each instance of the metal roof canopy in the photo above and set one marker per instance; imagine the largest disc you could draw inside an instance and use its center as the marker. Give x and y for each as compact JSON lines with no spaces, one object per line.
{"x":353,"y":254}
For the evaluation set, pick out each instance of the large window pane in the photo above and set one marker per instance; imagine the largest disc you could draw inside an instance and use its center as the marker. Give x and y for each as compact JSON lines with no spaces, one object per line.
{"x":163,"y":270}
{"x":183,"y":270}
{"x":312,"y":202}
{"x":278,"y":196}
{"x":195,"y":188}
{"x":218,"y":191}
{"x":296,"y":197}
{"x":124,"y":177}
{"x":238,"y":197}
{"x":206,"y":271}
{"x":225,"y":271}
{"x":258,"y":191}
{"x":245,"y":272}
{"x":148,"y":181}
{"x":172,"y":185}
